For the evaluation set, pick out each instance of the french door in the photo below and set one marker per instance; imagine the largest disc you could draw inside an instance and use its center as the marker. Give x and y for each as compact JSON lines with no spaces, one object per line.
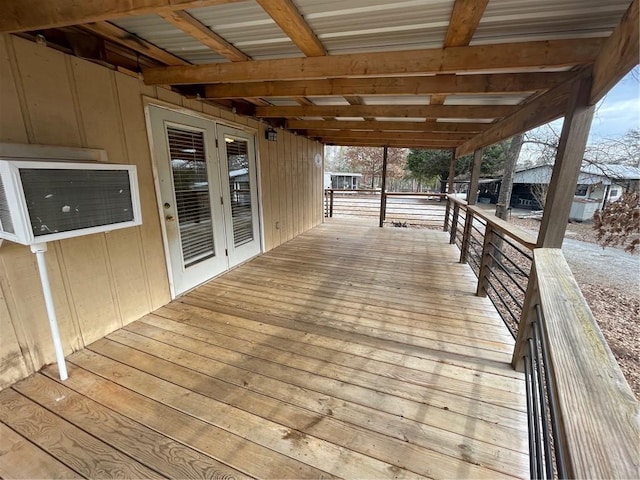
{"x":208,"y":195}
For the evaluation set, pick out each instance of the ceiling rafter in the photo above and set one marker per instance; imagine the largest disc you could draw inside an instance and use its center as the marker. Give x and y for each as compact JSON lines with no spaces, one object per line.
{"x":447,"y":137}
{"x":465,"y":18}
{"x":499,"y":83}
{"x":544,"y":108}
{"x":28,"y":15}
{"x":407,"y":111}
{"x":389,"y":143}
{"x":619,"y":54}
{"x":126,"y":39}
{"x":288,"y":18}
{"x":379,"y":125}
{"x":203,"y":34}
{"x":525,"y":55}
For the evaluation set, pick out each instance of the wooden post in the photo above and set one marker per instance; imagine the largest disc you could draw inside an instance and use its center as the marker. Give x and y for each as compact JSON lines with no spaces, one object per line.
{"x":472,"y":197}
{"x":528,"y":316}
{"x":466,"y":235}
{"x":454,"y":223}
{"x":566,"y":169}
{"x":450,"y":184}
{"x":485,"y":263}
{"x":383,"y":199}
{"x":472,"y":194}
{"x":331,"y":203}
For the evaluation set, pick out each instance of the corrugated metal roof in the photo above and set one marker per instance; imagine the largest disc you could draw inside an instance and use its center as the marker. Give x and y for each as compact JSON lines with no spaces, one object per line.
{"x":156,"y":30}
{"x":377,"y":25}
{"x":484,"y":99}
{"x":249,"y":28}
{"x":524,"y":20}
{"x":397,"y":100}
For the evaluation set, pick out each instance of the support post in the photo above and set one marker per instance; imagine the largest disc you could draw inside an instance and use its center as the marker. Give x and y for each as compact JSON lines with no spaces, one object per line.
{"x":566,"y":169}
{"x":486,"y":263}
{"x":472,"y":194}
{"x":472,"y":197}
{"x":450,"y":184}
{"x":454,"y":222}
{"x":383,"y":198}
{"x":331,"y":203}
{"x":466,"y":235}
{"x":528,"y":316}
{"x":39,"y":249}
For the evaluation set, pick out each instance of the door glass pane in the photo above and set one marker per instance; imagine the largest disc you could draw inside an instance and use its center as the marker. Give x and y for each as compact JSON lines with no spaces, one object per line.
{"x":240,"y":189}
{"x":191,"y":185}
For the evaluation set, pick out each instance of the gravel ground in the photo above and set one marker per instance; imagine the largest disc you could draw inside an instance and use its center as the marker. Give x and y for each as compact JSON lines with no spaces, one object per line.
{"x":610,"y":282}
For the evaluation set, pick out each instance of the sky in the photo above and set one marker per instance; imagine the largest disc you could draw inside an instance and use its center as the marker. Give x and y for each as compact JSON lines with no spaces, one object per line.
{"x":619,"y":111}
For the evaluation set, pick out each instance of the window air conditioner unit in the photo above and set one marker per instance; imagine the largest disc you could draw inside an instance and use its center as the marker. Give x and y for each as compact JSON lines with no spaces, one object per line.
{"x":43,"y":200}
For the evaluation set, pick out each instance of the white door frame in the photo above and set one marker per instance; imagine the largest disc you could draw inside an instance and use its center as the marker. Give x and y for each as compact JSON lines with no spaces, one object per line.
{"x":148,"y":103}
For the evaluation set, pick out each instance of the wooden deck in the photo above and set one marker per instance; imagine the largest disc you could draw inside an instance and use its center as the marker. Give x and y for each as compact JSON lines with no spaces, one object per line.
{"x":350,"y":351}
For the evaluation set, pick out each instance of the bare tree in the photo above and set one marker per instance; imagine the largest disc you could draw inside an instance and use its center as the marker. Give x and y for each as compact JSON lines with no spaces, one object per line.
{"x":506,"y":186}
{"x":368,"y":161}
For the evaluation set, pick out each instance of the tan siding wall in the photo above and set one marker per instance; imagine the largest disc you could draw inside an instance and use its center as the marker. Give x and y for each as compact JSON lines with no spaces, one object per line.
{"x":101,"y":282}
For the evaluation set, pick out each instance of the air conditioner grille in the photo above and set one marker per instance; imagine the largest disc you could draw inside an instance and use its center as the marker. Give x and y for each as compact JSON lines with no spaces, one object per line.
{"x":60,"y":200}
{"x":6,"y":224}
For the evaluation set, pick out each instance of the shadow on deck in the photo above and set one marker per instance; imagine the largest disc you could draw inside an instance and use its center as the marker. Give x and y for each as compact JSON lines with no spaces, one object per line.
{"x":350,"y":351}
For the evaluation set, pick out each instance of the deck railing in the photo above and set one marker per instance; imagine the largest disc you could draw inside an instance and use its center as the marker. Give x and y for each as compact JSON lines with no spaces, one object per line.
{"x":411,"y":209}
{"x":499,"y":254}
{"x":584,"y":421}
{"x":351,"y":203}
{"x":402,"y":209}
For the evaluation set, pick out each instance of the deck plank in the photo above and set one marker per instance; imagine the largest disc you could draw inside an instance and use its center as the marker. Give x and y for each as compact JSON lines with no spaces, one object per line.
{"x":20,"y":459}
{"x":74,"y":447}
{"x":348,"y":352}
{"x":168,"y":457}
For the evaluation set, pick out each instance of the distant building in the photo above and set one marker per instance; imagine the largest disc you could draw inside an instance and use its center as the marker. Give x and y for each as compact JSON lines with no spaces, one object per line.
{"x":597,"y":185}
{"x":341,"y":181}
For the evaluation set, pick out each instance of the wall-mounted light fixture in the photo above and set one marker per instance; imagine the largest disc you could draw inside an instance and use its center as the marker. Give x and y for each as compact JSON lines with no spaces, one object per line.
{"x":270,"y":134}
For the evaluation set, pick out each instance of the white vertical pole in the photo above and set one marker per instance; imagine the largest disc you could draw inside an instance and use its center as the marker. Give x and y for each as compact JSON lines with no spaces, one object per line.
{"x":39,"y":249}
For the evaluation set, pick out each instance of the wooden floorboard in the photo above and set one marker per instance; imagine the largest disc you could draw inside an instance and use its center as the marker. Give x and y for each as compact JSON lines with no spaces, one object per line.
{"x":348,"y":352}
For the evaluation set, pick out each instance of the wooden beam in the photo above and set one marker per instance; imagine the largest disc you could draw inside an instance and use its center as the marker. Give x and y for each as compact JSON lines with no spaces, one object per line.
{"x":408,"y":111}
{"x":203,"y":34}
{"x":465,"y":17}
{"x":390,"y":143}
{"x":619,"y":54}
{"x":288,"y":18}
{"x":126,"y":39}
{"x":499,"y":83}
{"x":455,"y":138}
{"x":513,"y":56}
{"x":543,"y":109}
{"x":569,"y":158}
{"x":433,"y":126}
{"x":27,"y":15}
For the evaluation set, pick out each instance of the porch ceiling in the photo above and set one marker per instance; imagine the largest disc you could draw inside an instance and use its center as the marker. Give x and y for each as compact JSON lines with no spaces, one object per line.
{"x":502,"y":66}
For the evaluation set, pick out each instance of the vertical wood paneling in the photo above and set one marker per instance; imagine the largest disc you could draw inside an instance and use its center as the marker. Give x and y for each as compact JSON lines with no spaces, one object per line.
{"x":135,"y":133}
{"x":265,"y":188}
{"x":48,"y":94}
{"x":275,"y":188}
{"x":12,"y":363}
{"x":103,"y":281}
{"x":12,"y":126}
{"x":102,"y":125}
{"x":282,"y":188}
{"x":21,"y":281}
